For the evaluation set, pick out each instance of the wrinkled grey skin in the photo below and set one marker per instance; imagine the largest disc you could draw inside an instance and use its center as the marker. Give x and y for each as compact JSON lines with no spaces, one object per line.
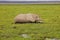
{"x":22,"y":18}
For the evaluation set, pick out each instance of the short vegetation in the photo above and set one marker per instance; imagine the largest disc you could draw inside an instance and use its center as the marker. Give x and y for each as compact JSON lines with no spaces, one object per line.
{"x":50,"y":28}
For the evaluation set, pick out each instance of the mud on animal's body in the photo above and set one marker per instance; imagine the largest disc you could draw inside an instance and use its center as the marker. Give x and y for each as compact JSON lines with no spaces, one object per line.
{"x":27,"y":18}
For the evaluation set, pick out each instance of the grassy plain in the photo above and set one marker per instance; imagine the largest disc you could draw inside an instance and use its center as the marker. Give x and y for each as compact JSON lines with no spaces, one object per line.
{"x":49,"y":28}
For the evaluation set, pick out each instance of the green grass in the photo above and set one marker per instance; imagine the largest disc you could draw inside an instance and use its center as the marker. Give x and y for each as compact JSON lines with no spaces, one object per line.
{"x":49,"y":28}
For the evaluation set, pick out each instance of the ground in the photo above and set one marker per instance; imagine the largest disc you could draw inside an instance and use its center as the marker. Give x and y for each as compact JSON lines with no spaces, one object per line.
{"x":36,"y":31}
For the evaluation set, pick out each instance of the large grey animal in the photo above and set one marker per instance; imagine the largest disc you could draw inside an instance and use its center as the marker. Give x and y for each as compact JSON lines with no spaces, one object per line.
{"x":23,"y":18}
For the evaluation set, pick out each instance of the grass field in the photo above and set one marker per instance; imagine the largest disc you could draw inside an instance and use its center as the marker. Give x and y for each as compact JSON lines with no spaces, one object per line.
{"x":36,"y":31}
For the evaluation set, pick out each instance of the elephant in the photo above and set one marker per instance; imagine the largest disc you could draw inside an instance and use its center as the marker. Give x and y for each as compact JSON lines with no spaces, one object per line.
{"x":27,"y":18}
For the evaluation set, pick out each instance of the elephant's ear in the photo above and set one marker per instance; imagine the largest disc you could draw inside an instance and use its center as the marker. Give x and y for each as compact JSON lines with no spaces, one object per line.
{"x":32,"y":19}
